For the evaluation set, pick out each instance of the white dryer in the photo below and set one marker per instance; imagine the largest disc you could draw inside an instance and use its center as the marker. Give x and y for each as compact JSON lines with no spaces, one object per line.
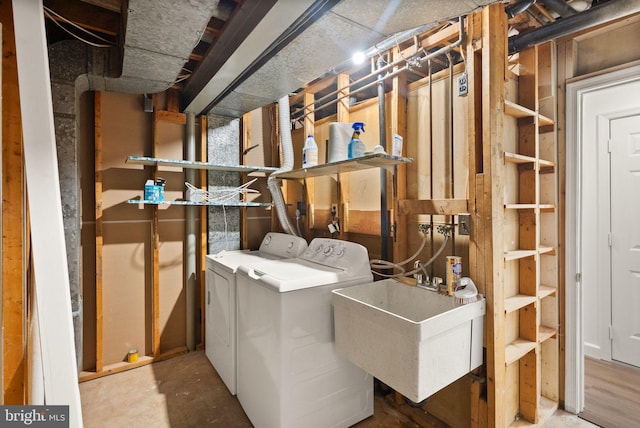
{"x":289,"y":373}
{"x":220,"y":315}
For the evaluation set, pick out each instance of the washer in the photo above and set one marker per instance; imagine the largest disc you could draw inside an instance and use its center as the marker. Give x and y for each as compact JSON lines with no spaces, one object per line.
{"x":289,"y":373}
{"x":220,"y":315}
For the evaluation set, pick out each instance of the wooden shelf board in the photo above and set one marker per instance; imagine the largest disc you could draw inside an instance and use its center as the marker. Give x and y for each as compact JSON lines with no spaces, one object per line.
{"x":376,"y":160}
{"x":545,"y":121}
{"x":518,"y":349}
{"x":517,"y":302}
{"x":190,"y":203}
{"x":517,"y":158}
{"x":548,"y":208}
{"x":144,"y":160}
{"x":545,"y":333}
{"x":546,"y":291}
{"x":518,"y":254}
{"x":516,"y":110}
{"x":520,"y":206}
{"x":549,"y":251}
{"x":544,"y":162}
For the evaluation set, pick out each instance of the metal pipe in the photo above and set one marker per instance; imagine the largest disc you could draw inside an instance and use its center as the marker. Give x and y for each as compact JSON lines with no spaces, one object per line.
{"x":580,"y":21}
{"x":431,"y":231}
{"x":515,"y":9}
{"x":452,"y":149}
{"x":384,"y":215}
{"x":424,"y":58}
{"x":190,"y":238}
{"x":560,"y":7}
{"x":318,"y":102}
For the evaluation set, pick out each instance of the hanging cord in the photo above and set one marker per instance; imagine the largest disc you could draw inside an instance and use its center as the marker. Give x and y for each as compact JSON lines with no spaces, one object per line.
{"x":384,"y":264}
{"x":52,"y":16}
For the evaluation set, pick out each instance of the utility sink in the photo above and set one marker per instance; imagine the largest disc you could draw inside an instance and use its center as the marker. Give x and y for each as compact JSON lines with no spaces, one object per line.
{"x":414,"y":340}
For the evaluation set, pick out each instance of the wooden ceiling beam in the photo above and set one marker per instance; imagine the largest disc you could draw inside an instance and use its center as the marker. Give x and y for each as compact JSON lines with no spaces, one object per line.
{"x":112,"y":5}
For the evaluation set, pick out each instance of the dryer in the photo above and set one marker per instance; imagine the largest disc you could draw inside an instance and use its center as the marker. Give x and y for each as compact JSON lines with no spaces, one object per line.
{"x":220,"y":313}
{"x":289,"y":373}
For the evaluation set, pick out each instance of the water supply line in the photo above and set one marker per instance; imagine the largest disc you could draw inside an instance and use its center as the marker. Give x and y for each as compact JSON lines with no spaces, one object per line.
{"x":385,"y":264}
{"x":273,"y":182}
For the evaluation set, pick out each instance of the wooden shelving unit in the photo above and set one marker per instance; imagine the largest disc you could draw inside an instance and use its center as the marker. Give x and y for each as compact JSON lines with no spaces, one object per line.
{"x":530,"y":238}
{"x":199,"y":204}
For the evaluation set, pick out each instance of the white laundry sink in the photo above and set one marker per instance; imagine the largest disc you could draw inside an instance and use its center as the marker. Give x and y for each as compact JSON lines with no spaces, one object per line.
{"x":414,"y":340}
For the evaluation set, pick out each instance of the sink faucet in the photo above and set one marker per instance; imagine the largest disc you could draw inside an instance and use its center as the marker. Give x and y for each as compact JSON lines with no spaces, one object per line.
{"x":422,"y":279}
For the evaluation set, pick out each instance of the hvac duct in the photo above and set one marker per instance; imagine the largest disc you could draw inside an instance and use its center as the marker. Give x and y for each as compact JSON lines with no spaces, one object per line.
{"x":580,"y":21}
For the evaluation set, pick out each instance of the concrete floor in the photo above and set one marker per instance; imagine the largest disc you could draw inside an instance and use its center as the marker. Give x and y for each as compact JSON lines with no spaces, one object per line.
{"x":186,"y":391}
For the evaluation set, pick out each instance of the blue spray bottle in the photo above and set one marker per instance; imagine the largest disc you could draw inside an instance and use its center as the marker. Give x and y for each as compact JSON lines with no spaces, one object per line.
{"x":356,"y":146}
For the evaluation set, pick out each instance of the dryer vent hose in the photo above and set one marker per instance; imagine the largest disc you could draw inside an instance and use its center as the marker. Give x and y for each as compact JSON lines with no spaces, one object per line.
{"x":273,"y":182}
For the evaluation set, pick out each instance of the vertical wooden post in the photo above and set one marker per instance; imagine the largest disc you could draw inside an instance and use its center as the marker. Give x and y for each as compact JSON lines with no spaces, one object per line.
{"x":494,"y":44}
{"x":342,"y":115}
{"x":155,"y":246}
{"x":309,"y":129}
{"x":476,"y":194}
{"x":204,"y":228}
{"x":399,"y":126}
{"x":99,"y":230}
{"x":13,"y":275}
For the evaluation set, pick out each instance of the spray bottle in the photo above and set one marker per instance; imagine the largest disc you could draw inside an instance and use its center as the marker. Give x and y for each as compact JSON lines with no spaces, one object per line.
{"x":356,"y":146}
{"x":310,"y":152}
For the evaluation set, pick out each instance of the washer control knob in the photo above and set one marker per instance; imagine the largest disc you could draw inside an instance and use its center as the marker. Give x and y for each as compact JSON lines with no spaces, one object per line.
{"x":267,"y":240}
{"x":327,"y":251}
{"x":339,"y":252}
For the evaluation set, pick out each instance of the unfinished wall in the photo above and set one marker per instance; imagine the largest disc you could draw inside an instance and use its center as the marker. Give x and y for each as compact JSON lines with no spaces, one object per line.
{"x":223,"y":136}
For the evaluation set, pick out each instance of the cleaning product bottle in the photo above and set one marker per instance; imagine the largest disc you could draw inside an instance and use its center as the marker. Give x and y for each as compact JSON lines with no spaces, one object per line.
{"x":310,"y":152}
{"x":356,"y":146}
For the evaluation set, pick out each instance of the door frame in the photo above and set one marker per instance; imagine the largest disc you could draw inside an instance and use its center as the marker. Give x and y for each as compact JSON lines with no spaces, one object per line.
{"x":574,"y":352}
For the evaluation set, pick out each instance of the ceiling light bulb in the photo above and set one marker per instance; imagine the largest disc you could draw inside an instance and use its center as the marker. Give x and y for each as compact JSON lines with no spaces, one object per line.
{"x":358,"y":58}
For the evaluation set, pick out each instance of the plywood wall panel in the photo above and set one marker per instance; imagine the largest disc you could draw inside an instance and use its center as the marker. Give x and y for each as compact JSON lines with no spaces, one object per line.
{"x":126,"y":275}
{"x":172,"y":294}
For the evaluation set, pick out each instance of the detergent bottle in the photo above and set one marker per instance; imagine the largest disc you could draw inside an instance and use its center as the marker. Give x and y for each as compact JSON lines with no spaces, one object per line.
{"x":356,"y":146}
{"x":310,"y":152}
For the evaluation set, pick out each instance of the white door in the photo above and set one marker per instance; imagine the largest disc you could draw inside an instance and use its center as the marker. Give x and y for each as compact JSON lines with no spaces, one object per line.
{"x":625,"y":243}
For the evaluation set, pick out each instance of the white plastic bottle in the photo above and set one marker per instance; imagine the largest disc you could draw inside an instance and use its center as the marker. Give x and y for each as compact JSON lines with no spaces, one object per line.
{"x":310,"y":153}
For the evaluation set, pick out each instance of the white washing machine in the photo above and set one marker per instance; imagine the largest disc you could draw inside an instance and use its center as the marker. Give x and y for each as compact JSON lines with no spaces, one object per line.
{"x":220,"y":315}
{"x":289,"y":373}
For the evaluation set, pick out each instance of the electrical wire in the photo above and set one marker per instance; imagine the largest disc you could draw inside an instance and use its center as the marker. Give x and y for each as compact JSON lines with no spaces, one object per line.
{"x":50,"y":14}
{"x":222,"y":196}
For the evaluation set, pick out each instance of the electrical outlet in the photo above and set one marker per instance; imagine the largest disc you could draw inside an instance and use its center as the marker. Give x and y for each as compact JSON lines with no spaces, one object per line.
{"x":464,"y":224}
{"x":301,"y":207}
{"x":463,"y":85}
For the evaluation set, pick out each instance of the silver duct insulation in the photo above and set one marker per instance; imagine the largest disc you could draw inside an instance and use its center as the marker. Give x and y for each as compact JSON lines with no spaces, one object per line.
{"x":273,"y":182}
